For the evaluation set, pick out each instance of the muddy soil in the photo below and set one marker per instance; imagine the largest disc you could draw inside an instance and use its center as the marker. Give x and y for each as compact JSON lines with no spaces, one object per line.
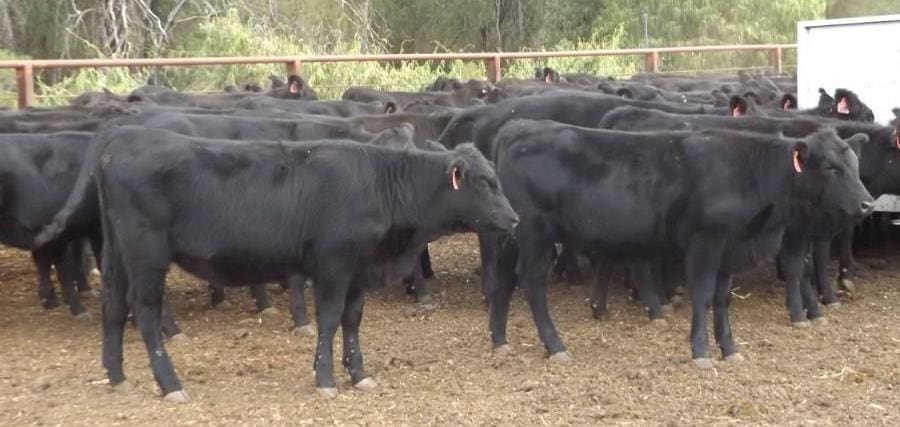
{"x":435,"y":367}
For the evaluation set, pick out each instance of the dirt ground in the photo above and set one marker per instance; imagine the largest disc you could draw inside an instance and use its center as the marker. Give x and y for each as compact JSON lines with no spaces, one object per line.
{"x":436,"y":367}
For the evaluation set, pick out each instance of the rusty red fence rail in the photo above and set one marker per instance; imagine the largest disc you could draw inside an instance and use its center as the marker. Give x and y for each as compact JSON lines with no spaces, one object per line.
{"x":493,"y":61}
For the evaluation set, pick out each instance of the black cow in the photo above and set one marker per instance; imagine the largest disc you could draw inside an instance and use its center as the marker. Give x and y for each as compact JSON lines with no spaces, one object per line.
{"x":345,"y":214}
{"x":306,"y":127}
{"x":879,"y":162}
{"x":719,"y":200}
{"x":37,"y":173}
{"x":341,"y":108}
{"x":295,"y":88}
{"x":577,"y":108}
{"x":471,"y":91}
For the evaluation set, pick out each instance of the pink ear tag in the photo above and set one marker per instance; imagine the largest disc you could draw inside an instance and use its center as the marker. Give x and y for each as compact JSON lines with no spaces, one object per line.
{"x":787,"y":104}
{"x":797,"y":167}
{"x":454,"y":180}
{"x":293,"y":88}
{"x":736,"y":112}
{"x":842,"y":106}
{"x":897,"y":139}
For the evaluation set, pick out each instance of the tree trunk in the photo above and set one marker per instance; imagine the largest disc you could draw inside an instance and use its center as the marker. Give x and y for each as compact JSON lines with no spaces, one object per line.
{"x":365,"y":27}
{"x":7,"y":39}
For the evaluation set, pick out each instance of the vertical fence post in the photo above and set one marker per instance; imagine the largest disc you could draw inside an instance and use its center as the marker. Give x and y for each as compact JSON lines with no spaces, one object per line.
{"x":25,"y":85}
{"x":775,"y":59}
{"x":295,"y":67}
{"x":651,"y":62}
{"x":493,"y":69}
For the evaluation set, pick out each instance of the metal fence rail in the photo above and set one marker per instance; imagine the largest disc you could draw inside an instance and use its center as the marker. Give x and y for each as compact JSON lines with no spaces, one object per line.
{"x":493,"y":61}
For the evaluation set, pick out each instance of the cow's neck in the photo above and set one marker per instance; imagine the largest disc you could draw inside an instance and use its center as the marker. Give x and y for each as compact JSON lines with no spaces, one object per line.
{"x":407,"y":184}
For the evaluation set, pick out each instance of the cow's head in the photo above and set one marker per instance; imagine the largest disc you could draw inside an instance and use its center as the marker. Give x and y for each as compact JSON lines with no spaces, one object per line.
{"x":297,"y":88}
{"x":400,"y":136}
{"x":788,"y":102}
{"x":471,"y":193}
{"x":741,"y":106}
{"x":827,"y":175}
{"x":846,"y":105}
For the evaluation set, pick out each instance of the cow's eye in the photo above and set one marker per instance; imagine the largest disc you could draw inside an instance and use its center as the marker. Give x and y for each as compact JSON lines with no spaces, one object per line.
{"x":832,"y":169}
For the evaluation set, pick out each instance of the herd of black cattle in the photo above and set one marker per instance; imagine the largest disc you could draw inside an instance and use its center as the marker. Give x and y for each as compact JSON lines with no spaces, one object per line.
{"x":245,"y":187}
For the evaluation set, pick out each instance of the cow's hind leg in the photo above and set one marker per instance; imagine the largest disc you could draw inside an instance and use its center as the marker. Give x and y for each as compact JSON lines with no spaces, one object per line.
{"x":535,"y":258}
{"x":600,"y":295}
{"x":261,"y":297}
{"x":330,"y":289}
{"x":353,"y":358}
{"x":505,"y":255}
{"x":296,"y":283}
{"x":43,"y":261}
{"x":648,"y":288}
{"x":721,"y":322}
{"x":702,"y":263}
{"x":146,"y":265}
{"x":69,"y":267}
{"x":114,"y":312}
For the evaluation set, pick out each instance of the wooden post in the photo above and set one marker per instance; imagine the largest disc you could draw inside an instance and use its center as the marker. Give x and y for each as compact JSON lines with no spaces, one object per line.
{"x":493,"y":69}
{"x":294,"y":67}
{"x":775,"y":59}
{"x":651,"y":62}
{"x":25,"y":85}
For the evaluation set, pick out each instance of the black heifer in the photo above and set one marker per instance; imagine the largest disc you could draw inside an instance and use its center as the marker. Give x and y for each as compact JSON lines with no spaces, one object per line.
{"x":719,"y":200}
{"x":345,"y":214}
{"x":879,"y":164}
{"x":37,"y":173}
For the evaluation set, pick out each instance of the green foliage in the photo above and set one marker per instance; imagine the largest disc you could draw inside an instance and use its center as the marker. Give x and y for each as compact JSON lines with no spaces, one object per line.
{"x":854,"y":8}
{"x":82,"y":28}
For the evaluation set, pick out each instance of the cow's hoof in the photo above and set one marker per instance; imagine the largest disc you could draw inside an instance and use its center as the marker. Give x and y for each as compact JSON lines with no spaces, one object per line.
{"x":122,"y":387}
{"x":803,"y":324}
{"x":50,"y":304}
{"x":601,"y":316}
{"x":269,"y":312}
{"x":84,"y":315}
{"x":667,"y":309}
{"x":659,"y":323}
{"x":561,"y":357}
{"x":847,"y":285}
{"x":677,"y":300}
{"x":179,"y":338}
{"x":365,"y":384}
{"x":327,"y":393}
{"x":820,"y":321}
{"x":704,"y":363}
{"x":503,"y":350}
{"x":178,"y":396}
{"x":425,"y":299}
{"x":734,"y":358}
{"x":95,"y":272}
{"x":305,"y":331}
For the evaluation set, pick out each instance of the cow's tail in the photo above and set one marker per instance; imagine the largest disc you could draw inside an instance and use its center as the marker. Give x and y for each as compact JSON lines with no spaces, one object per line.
{"x":80,"y":213}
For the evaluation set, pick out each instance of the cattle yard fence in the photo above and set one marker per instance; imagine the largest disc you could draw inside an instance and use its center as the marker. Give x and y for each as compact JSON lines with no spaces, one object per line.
{"x":24,"y":69}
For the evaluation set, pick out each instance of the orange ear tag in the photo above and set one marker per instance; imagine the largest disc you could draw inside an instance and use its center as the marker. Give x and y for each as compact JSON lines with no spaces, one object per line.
{"x":454,"y":181}
{"x":797,"y":167}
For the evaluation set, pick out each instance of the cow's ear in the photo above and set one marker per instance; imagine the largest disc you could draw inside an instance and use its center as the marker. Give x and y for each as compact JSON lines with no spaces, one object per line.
{"x":896,"y":112}
{"x":856,"y":142}
{"x":390,"y":108}
{"x":625,"y":93}
{"x":788,"y":102}
{"x":799,"y":156}
{"x":295,"y":84}
{"x":456,"y":173}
